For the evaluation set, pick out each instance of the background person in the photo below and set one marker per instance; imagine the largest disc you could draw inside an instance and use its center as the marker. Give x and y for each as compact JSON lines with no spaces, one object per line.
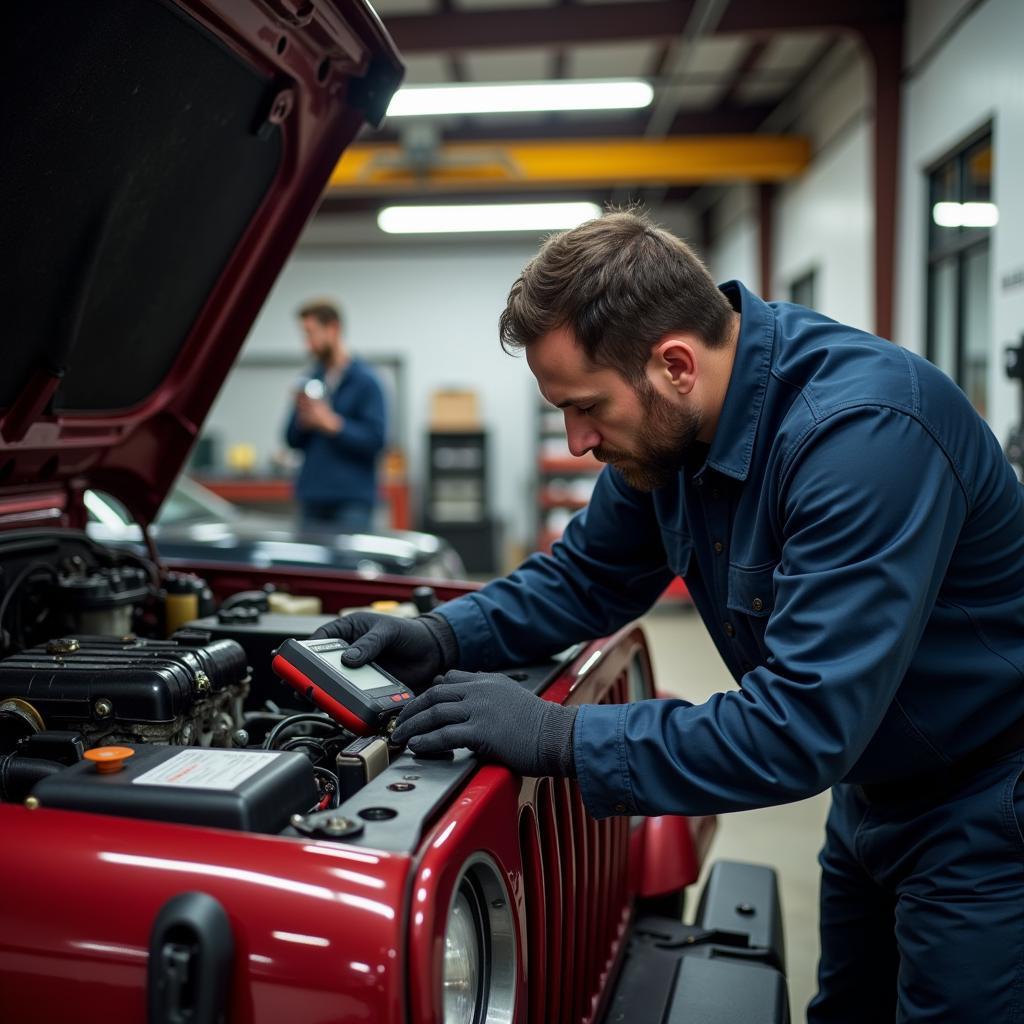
{"x":339,"y":424}
{"x":853,"y":538}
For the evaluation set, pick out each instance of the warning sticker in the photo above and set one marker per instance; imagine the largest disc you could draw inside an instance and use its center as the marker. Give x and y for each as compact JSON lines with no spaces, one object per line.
{"x":200,"y":768}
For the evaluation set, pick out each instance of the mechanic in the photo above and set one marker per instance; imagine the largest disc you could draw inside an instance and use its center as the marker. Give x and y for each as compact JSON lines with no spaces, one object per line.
{"x":852,"y":537}
{"x":339,"y":424}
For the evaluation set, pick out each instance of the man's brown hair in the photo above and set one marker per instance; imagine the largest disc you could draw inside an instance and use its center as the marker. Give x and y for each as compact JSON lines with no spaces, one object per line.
{"x":323,"y":312}
{"x":619,"y":283}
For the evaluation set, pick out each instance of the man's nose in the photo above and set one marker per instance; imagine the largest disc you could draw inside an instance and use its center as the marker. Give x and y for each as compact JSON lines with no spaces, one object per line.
{"x":581,"y":435}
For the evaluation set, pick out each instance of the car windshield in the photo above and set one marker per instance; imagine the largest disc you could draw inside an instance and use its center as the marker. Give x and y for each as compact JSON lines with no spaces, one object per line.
{"x":187,"y":502}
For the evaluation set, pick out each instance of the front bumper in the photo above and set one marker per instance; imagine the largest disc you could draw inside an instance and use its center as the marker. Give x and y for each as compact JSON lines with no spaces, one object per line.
{"x":726,"y":968}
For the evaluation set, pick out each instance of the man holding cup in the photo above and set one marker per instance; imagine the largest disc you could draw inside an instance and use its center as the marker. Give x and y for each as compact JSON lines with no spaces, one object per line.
{"x":338,"y":422}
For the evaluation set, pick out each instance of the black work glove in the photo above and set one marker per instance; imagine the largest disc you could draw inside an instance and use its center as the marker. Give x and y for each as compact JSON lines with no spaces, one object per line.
{"x":494,"y":716}
{"x":412,"y":650}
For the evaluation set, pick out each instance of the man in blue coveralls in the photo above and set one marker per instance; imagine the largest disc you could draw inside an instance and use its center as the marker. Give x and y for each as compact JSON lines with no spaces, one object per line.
{"x":853,"y":538}
{"x":339,"y":425}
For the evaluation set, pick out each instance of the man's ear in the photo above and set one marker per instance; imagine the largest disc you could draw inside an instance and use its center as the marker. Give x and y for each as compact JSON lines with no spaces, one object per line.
{"x":675,"y":358}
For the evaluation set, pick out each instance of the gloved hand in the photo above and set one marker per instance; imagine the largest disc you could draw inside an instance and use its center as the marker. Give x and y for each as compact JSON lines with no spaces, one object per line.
{"x":412,"y":650}
{"x":494,"y":716}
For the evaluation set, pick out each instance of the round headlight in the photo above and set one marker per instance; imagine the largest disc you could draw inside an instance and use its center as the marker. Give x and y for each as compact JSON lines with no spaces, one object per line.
{"x":478,"y":986}
{"x":462,"y":956}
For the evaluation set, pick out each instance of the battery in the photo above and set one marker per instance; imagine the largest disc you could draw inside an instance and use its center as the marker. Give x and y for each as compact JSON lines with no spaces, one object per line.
{"x":246,"y":790}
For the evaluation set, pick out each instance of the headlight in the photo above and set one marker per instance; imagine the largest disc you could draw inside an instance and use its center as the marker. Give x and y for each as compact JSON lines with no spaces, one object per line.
{"x":479,"y":980}
{"x":462,"y":955}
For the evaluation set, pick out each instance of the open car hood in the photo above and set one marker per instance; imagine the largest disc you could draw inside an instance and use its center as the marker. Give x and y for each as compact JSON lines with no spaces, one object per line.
{"x":162,"y":159}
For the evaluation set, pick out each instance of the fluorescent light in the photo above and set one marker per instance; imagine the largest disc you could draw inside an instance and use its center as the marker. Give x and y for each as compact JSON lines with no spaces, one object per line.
{"x":965,"y":215}
{"x":522,"y":96}
{"x":419,"y":220}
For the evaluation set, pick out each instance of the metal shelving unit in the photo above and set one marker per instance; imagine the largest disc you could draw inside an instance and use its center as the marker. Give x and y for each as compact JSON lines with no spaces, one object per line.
{"x":564,"y":482}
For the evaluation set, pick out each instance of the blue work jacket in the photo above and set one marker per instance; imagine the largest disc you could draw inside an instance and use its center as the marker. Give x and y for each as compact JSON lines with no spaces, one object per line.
{"x":853,"y":539}
{"x":343,"y":466}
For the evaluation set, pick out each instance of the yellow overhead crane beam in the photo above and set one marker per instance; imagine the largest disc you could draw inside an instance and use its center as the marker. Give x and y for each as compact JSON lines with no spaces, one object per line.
{"x":369,"y":168}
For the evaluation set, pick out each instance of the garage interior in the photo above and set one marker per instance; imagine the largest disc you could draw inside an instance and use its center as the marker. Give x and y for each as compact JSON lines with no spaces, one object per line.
{"x":799,"y":147}
{"x":820,"y":153}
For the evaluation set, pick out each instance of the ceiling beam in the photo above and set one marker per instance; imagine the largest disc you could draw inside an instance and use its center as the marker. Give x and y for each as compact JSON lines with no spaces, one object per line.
{"x":704,"y":16}
{"x":488,"y":166}
{"x":720,"y":121}
{"x":506,"y":28}
{"x":787,"y":15}
{"x":743,"y":69}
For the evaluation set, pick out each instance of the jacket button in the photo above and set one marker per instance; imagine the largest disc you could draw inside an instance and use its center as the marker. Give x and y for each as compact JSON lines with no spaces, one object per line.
{"x":620,"y":808}
{"x":719,"y":547}
{"x":757,"y":604}
{"x":729,"y":629}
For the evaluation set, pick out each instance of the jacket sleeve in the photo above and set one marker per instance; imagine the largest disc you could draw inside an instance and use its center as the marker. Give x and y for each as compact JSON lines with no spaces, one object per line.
{"x":869,"y":509}
{"x":364,"y":431}
{"x":608,"y":568}
{"x":294,"y":435}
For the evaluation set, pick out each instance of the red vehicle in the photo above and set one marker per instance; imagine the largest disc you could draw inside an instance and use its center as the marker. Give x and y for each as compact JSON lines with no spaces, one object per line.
{"x":214,"y":870}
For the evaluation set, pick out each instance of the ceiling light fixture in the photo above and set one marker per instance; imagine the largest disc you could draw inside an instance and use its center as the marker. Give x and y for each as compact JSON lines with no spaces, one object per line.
{"x":426,"y":220}
{"x":965,"y":215}
{"x":622,"y":94}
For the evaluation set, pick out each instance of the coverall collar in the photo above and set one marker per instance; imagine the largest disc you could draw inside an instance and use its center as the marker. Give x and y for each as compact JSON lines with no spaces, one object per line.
{"x":733,"y":443}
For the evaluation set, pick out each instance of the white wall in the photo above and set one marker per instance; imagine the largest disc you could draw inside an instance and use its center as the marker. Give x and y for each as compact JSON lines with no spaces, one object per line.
{"x":822,"y":220}
{"x":733,"y":254}
{"x":956,"y":84}
{"x":434,"y":306}
{"x":825,"y":225}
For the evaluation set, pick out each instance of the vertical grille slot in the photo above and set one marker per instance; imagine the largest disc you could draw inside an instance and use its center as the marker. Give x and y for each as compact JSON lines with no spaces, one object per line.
{"x":584,"y":902}
{"x":554,"y":858}
{"x":536,"y":916}
{"x":576,"y":895}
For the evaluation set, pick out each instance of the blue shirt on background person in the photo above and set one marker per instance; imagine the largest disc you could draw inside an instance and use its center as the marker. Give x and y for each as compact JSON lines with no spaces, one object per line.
{"x":340,"y":428}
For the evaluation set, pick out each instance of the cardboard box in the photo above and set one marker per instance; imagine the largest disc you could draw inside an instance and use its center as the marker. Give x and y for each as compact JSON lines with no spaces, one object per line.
{"x":454,"y":409}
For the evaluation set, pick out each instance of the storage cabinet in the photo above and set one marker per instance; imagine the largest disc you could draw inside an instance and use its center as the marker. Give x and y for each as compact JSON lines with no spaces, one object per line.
{"x":456,"y":503}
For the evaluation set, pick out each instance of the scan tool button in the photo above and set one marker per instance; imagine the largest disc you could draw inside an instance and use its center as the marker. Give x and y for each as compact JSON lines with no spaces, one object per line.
{"x":397,"y":698}
{"x":406,"y":696}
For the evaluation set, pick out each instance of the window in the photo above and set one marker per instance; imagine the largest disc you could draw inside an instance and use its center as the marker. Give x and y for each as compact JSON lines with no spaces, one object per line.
{"x":801,"y":289}
{"x":961,"y":216}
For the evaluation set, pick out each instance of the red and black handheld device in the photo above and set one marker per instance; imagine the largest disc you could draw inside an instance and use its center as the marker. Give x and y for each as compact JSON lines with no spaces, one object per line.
{"x":362,"y":699}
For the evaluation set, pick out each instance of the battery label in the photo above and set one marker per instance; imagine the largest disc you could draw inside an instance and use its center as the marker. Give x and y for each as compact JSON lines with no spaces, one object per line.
{"x":200,"y":768}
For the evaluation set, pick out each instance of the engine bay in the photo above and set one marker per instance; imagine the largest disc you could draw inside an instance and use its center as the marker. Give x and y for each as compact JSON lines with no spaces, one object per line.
{"x":129,"y":689}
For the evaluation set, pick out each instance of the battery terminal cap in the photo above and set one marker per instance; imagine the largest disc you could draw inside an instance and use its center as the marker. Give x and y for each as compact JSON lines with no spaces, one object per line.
{"x":109,"y":759}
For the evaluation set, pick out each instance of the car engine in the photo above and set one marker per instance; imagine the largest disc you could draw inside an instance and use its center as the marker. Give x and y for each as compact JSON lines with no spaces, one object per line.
{"x":102,"y":652}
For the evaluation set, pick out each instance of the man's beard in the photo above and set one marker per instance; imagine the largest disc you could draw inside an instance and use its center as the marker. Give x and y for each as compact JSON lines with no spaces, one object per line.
{"x":665,"y":434}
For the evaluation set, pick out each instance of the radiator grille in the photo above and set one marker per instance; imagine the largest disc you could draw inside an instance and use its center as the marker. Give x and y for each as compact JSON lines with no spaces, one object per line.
{"x":576,"y":896}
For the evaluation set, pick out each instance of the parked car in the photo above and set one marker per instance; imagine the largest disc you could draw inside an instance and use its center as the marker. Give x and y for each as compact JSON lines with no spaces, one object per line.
{"x":185,"y":838}
{"x":196,"y":523}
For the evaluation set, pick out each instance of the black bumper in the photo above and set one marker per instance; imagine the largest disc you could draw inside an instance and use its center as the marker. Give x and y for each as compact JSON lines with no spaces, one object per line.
{"x":726,"y":968}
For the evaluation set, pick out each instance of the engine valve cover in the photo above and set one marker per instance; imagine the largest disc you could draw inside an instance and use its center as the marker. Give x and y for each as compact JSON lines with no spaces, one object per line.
{"x":77,"y":679}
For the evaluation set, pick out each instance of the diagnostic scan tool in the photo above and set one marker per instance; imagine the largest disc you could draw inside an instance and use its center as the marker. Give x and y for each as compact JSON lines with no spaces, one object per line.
{"x":364,"y":700}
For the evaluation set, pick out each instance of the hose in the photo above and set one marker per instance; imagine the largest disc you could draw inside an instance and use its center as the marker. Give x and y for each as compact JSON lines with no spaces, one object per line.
{"x":19,"y":774}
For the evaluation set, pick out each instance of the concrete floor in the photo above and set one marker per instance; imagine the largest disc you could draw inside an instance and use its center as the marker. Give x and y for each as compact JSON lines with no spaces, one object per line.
{"x":788,"y":837}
